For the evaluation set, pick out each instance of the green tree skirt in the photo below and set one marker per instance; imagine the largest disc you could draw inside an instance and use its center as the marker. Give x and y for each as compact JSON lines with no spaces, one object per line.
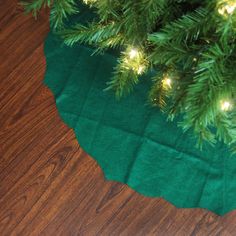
{"x":132,"y":142}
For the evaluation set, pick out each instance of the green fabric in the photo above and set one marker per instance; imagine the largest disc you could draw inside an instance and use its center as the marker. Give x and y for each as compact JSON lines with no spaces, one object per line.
{"x":132,"y":142}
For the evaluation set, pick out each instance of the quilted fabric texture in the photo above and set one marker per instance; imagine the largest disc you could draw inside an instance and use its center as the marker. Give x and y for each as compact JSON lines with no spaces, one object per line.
{"x":132,"y":142}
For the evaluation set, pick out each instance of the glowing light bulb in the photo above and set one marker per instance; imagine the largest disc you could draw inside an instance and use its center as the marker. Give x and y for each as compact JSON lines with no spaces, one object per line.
{"x":221,"y":11}
{"x":135,"y":60}
{"x":228,"y":8}
{"x":226,"y":106}
{"x":89,"y":1}
{"x":167,"y":82}
{"x":140,"y":69}
{"x":133,"y":53}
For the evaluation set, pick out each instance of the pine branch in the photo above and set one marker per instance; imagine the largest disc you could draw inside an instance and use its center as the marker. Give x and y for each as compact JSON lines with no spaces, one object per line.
{"x":127,"y":72}
{"x":108,"y":9}
{"x":133,"y":27}
{"x":35,"y":6}
{"x":173,"y":54}
{"x":61,"y":10}
{"x":226,"y":130}
{"x":209,"y":87}
{"x":122,"y":82}
{"x":158,"y":94}
{"x":188,"y":28}
{"x":93,"y":34}
{"x":152,"y":10}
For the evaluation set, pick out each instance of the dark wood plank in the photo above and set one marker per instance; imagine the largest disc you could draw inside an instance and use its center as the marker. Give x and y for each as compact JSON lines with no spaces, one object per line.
{"x":48,"y":184}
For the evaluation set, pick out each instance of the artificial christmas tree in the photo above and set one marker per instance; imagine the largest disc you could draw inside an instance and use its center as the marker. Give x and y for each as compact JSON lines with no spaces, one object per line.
{"x":188,"y":44}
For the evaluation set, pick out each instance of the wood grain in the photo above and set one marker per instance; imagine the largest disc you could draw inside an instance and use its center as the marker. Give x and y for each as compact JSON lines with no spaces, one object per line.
{"x":48,"y":184}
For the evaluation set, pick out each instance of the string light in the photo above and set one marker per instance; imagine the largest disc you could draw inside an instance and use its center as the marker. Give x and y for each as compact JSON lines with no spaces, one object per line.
{"x":228,"y":8}
{"x":141,"y":69}
{"x":135,"y":59}
{"x":166,"y":82}
{"x":226,"y":105}
{"x":133,"y":53}
{"x":89,"y":1}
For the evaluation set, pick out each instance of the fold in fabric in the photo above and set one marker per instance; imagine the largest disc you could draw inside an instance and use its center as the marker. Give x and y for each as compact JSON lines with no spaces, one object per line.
{"x":132,"y":142}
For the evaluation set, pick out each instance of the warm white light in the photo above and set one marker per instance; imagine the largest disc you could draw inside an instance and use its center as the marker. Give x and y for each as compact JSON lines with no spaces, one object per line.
{"x":221,"y":11}
{"x":89,"y":1}
{"x":140,"y":69}
{"x":133,"y":53}
{"x":167,"y":82}
{"x":135,"y":60}
{"x":226,"y":106}
{"x":229,"y":8}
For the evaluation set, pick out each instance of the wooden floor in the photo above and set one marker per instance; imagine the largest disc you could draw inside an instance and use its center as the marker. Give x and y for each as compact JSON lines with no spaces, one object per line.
{"x":48,"y":184}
